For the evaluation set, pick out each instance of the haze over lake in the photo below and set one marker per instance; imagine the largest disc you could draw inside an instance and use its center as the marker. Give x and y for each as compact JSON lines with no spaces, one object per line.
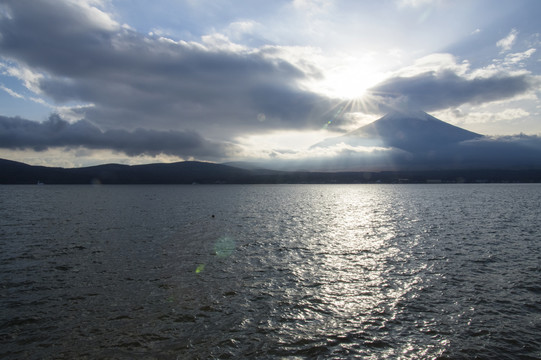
{"x":270,"y":271}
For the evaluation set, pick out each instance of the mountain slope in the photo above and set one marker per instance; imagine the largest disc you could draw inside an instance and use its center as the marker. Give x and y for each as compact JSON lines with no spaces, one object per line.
{"x":415,"y":140}
{"x":412,"y":131}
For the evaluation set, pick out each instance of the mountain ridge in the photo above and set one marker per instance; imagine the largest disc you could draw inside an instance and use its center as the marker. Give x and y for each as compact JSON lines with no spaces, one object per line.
{"x":13,"y":172}
{"x":183,"y":172}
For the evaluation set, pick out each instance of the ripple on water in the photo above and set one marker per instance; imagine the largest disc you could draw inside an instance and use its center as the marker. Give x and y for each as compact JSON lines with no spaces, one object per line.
{"x":278,"y":271}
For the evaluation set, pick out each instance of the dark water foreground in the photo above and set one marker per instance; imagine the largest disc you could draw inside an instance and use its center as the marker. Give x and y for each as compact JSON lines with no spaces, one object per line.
{"x":294,"y":272}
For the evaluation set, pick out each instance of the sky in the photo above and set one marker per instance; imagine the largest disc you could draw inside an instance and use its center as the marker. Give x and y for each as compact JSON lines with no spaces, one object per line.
{"x":86,"y":82}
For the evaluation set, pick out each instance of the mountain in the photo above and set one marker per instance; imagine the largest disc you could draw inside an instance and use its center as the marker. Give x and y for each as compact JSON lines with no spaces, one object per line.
{"x":415,"y":140}
{"x":412,"y":131}
{"x":186,"y":172}
{"x":12,"y":172}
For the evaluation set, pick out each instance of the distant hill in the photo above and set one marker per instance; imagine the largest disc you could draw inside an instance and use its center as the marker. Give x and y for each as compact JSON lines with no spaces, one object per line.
{"x":176,"y":173}
{"x":189,"y":172}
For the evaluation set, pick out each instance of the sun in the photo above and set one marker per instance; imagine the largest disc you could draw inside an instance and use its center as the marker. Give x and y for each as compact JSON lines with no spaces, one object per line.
{"x":348,"y":81}
{"x":347,"y":84}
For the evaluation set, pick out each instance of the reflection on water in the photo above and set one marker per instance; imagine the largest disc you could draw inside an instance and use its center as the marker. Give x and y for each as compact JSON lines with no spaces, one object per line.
{"x":270,"y":271}
{"x":351,"y":278}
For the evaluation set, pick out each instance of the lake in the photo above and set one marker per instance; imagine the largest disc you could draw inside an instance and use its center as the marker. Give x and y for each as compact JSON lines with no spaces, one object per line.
{"x":270,"y":271}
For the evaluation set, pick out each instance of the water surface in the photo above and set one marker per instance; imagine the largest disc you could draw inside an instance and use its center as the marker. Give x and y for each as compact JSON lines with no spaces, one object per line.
{"x":281,"y":271}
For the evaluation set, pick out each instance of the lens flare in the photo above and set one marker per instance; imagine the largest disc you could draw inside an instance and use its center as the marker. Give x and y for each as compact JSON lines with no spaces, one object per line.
{"x":199,"y":268}
{"x":225,"y":246}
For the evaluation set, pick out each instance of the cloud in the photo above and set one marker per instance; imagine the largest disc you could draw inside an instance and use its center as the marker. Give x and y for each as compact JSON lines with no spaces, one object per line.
{"x":29,"y":78}
{"x":434,"y":91}
{"x":413,"y":3}
{"x":11,"y":92}
{"x":338,"y":157}
{"x":134,"y":80}
{"x":468,"y":116}
{"x":508,"y":152}
{"x":17,"y":133}
{"x":515,"y":151}
{"x":108,"y":80}
{"x":516,"y":58}
{"x":505,"y":152}
{"x":507,"y":42}
{"x":438,"y":82}
{"x":504,"y":115}
{"x":312,"y":7}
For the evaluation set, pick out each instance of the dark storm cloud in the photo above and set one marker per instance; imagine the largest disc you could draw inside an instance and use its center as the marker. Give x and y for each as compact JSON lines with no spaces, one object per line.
{"x":439,"y":90}
{"x":17,"y":133}
{"x":135,"y":79}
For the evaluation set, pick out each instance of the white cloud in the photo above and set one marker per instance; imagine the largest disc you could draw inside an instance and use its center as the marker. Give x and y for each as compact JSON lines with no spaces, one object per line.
{"x":69,"y":158}
{"x":219,"y":41}
{"x":462,"y":117}
{"x":11,"y":92}
{"x":507,"y":42}
{"x":437,"y":63}
{"x":312,"y":6}
{"x":511,"y":64}
{"x":329,"y":152}
{"x":414,"y":3}
{"x":237,"y":29}
{"x":28,"y":77}
{"x":71,"y":113}
{"x":96,"y":17}
{"x":516,"y":58}
{"x":505,"y":115}
{"x":337,"y":157}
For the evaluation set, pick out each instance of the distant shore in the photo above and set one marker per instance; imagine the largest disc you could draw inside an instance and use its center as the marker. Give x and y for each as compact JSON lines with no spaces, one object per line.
{"x":193,"y":172}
